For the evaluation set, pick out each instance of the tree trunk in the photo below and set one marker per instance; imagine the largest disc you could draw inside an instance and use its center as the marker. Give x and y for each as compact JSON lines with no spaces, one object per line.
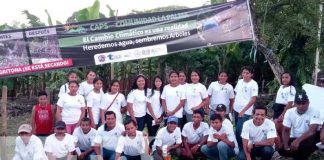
{"x":268,"y":53}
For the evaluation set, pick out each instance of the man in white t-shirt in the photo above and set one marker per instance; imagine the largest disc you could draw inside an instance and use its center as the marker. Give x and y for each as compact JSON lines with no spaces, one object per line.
{"x":258,"y":135}
{"x":133,"y":144}
{"x":221,"y":142}
{"x":84,"y":136}
{"x":221,"y":110}
{"x":28,"y":146}
{"x":60,"y":145}
{"x":299,"y":134}
{"x":194,"y":135}
{"x":168,"y":140}
{"x":107,"y":137}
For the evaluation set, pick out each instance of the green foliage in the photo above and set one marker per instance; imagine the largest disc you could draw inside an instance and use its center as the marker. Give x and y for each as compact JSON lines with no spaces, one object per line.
{"x":49,"y":18}
{"x":34,"y":21}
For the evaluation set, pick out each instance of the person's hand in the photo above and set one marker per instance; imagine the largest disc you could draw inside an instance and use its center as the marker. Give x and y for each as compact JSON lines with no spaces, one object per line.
{"x":280,"y":118}
{"x":134,"y":119}
{"x":194,"y":149}
{"x":217,"y":136}
{"x":241,"y":114}
{"x":294,"y":145}
{"x":194,"y":108}
{"x":124,"y":133}
{"x":223,"y":137}
{"x":82,"y":155}
{"x":170,"y":113}
{"x":159,"y":120}
{"x":250,"y":147}
{"x":189,"y":154}
{"x":94,"y":126}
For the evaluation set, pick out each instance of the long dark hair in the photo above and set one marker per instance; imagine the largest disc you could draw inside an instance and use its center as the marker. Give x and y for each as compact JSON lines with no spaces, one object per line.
{"x":154,"y":87}
{"x":112,"y":83}
{"x":134,"y":86}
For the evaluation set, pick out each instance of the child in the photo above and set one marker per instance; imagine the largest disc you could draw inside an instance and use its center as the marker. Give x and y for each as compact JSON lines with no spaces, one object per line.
{"x":42,"y":116}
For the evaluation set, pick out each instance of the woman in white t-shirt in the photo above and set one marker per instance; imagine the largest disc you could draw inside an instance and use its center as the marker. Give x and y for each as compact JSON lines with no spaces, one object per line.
{"x":114,"y":101}
{"x":94,"y":102}
{"x":71,"y":107}
{"x":136,"y":102}
{"x":173,"y":97}
{"x":87,"y":86}
{"x":196,"y":95}
{"x":154,"y":107}
{"x":72,"y":76}
{"x":221,"y":92}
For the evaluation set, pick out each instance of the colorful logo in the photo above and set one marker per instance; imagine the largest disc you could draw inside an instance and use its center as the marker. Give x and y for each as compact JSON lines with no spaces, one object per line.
{"x":101,"y":58}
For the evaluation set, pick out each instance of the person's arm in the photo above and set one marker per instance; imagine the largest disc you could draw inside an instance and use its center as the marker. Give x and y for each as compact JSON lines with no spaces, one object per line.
{"x":173,"y":147}
{"x":159,"y":151}
{"x":231,"y":105}
{"x":180,"y":105}
{"x":50,"y":156}
{"x":33,"y":120}
{"x":91,"y":117}
{"x":164,"y":106}
{"x":203,"y":140}
{"x":59,"y":113}
{"x":267,"y":142}
{"x":311,"y":131}
{"x":288,"y":106}
{"x":185,"y":144}
{"x":285,"y":137}
{"x":225,"y":139}
{"x":69,"y":156}
{"x":117,"y":156}
{"x":246,"y":149}
{"x":204,"y":102}
{"x":150,"y":109}
{"x":322,"y":134}
{"x":248,"y":106}
{"x":53,"y":107}
{"x":97,"y":150}
{"x":131,"y":111}
{"x":82,"y":114}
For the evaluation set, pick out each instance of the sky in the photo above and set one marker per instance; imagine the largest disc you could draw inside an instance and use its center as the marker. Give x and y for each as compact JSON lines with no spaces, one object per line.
{"x":62,"y":9}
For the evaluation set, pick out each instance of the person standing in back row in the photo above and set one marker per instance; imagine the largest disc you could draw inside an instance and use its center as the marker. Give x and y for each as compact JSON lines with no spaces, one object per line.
{"x":87,"y":86}
{"x":95,"y":102}
{"x":72,"y":76}
{"x":246,"y":91}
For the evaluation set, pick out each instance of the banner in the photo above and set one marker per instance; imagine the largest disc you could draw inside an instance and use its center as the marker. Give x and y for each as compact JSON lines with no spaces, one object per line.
{"x":123,"y":38}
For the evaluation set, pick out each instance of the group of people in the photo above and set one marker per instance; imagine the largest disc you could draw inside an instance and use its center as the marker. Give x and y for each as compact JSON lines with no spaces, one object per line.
{"x":174,"y":115}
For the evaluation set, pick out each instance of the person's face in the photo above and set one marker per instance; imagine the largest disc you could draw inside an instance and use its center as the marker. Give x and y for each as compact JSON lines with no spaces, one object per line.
{"x":182,"y":78}
{"x":60,"y":131}
{"x":302,"y":107}
{"x":42,"y":100}
{"x":194,"y":77}
{"x":172,"y":126}
{"x":222,"y":78}
{"x":25,"y":137}
{"x":285,"y":78}
{"x":115,"y":87}
{"x":221,"y":113}
{"x":158,"y":83}
{"x":73,"y":87}
{"x":246,"y":75}
{"x":259,"y":116}
{"x":73,"y":77}
{"x":196,"y":118}
{"x":111,"y":121}
{"x":174,"y":78}
{"x":216,"y":124}
{"x":85,"y":126}
{"x":98,"y":85}
{"x":91,"y":76}
{"x":130,"y":129}
{"x":140,"y":83}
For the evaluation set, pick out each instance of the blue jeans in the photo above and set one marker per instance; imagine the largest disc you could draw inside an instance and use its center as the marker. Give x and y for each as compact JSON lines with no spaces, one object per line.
{"x":264,"y":152}
{"x":108,"y":154}
{"x":219,"y":151}
{"x":239,"y":121}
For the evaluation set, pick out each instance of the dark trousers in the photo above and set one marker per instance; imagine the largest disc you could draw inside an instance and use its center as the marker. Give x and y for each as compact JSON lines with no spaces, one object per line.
{"x":306,"y":147}
{"x":140,"y":122}
{"x":152,"y":129}
{"x":132,"y":157}
{"x":265,"y":152}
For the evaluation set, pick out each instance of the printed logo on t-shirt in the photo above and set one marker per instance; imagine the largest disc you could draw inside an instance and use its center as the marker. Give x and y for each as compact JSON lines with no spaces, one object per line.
{"x":307,"y":122}
{"x":177,"y":92}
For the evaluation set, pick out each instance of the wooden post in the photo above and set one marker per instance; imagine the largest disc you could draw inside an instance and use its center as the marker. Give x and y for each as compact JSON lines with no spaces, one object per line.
{"x":3,"y":128}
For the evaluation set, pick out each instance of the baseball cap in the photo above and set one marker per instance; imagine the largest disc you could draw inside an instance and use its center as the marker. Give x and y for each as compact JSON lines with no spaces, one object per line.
{"x":172,"y":119}
{"x":301,"y":97}
{"x":59,"y":124}
{"x":25,"y":128}
{"x":221,"y":108}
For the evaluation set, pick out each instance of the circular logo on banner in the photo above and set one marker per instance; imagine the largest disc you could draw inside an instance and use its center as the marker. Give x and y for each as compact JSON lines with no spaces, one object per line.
{"x":101,"y":58}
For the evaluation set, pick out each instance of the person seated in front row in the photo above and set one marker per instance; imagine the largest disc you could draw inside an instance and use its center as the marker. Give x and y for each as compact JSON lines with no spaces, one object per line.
{"x":28,"y":146}
{"x":258,"y":135}
{"x":60,"y":145}
{"x":221,"y":143}
{"x":194,"y":135}
{"x":221,"y":110}
{"x":133,"y":144}
{"x":299,"y":135}
{"x":84,"y":136}
{"x":168,"y":140}
{"x":107,"y":137}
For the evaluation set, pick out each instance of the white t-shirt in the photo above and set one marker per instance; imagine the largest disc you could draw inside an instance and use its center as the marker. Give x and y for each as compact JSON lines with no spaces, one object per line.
{"x":84,"y":141}
{"x":285,"y":95}
{"x":220,"y":94}
{"x":299,"y":124}
{"x":32,"y":151}
{"x":244,"y":92}
{"x":95,"y":102}
{"x":224,"y":130}
{"x":184,"y":89}
{"x":195,"y":135}
{"x":71,"y":107}
{"x":85,"y":88}
{"x":119,"y":102}
{"x":255,"y":133}
{"x":108,"y":139}
{"x":163,"y":137}
{"x":155,"y":103}
{"x":172,"y":97}
{"x":131,"y":146}
{"x":138,"y":99}
{"x":58,"y":148}
{"x":227,"y":123}
{"x":195,"y":93}
{"x":64,"y":89}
